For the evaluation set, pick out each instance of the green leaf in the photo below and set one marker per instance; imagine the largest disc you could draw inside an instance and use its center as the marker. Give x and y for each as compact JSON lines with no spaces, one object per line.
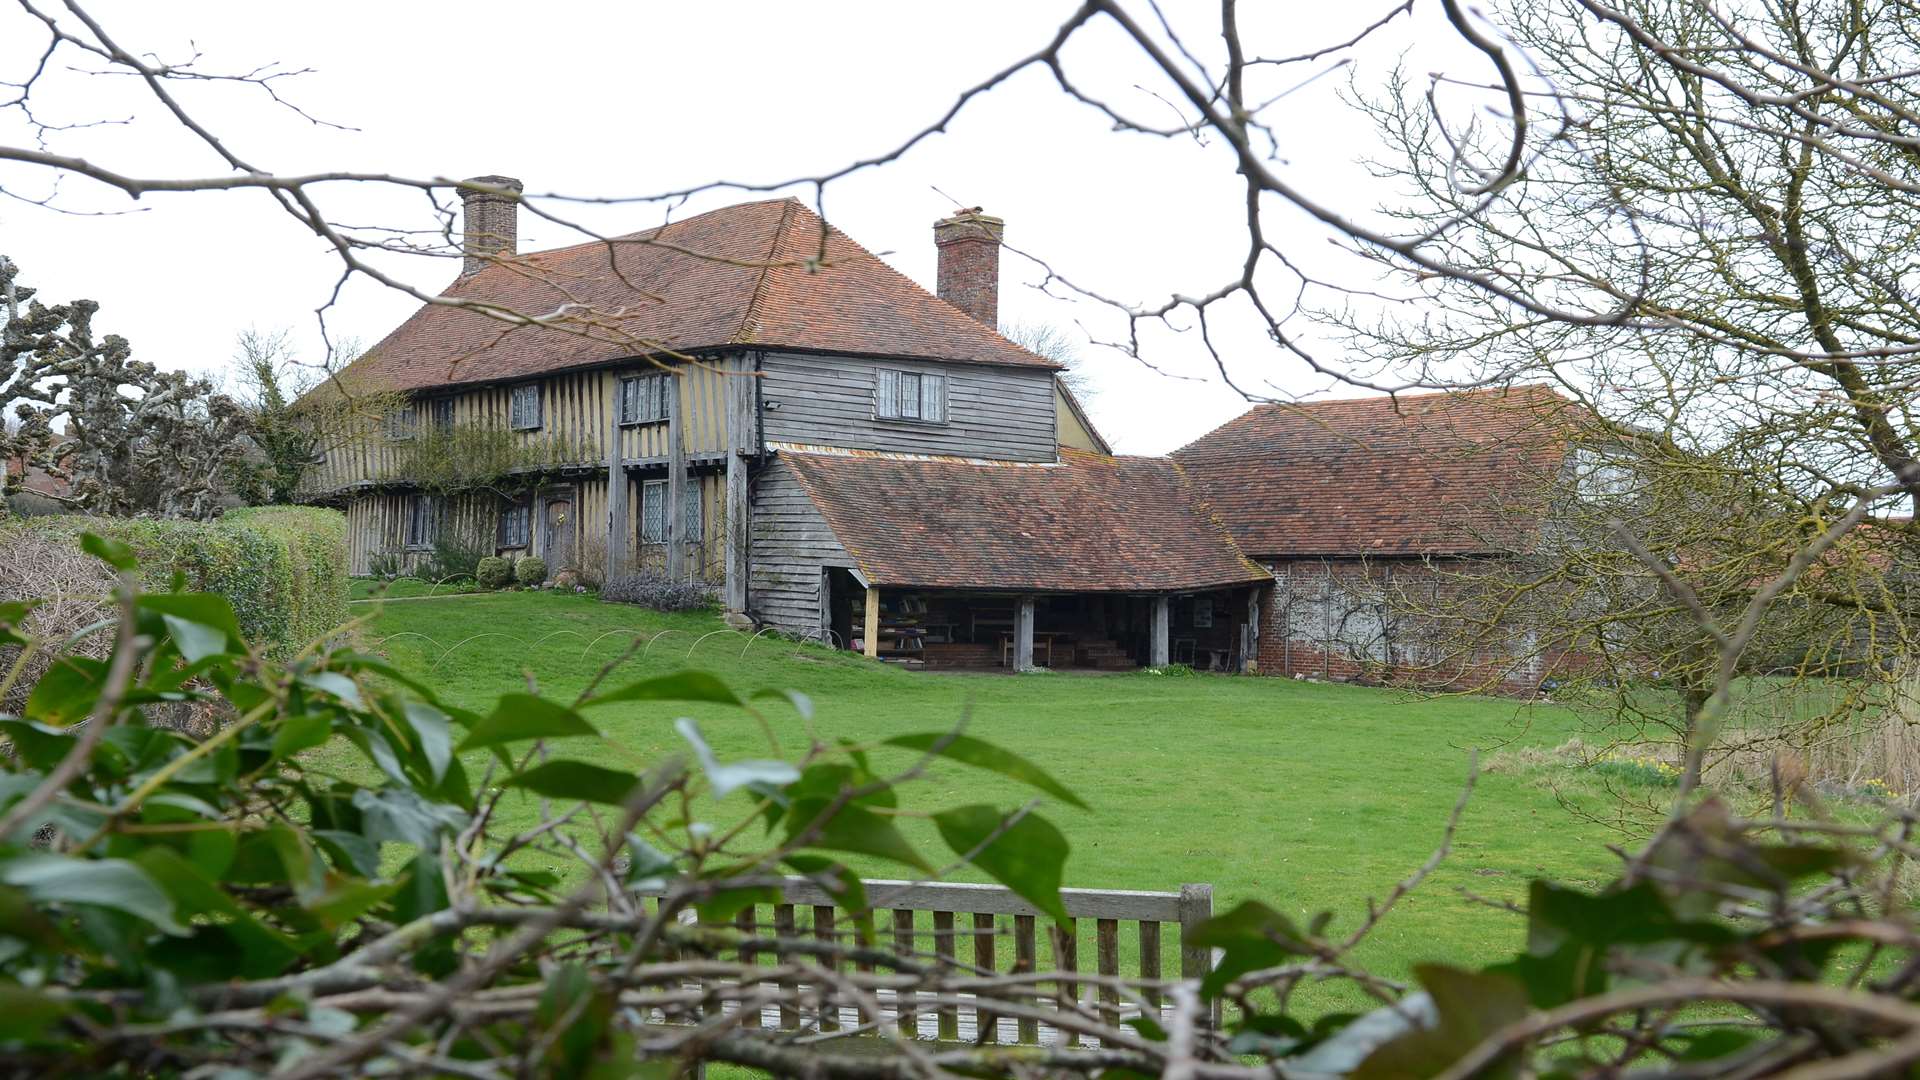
{"x":402,"y":815}
{"x":66,"y":692}
{"x":984,"y":755}
{"x":722,"y":906}
{"x":848,"y":891}
{"x":435,"y":732}
{"x":1251,"y":937}
{"x":851,"y":828}
{"x":196,"y":641}
{"x":1471,"y":1007}
{"x":108,"y":883}
{"x":725,"y":777}
{"x":577,"y":780}
{"x":1028,"y":856}
{"x":679,"y":686}
{"x":647,"y":869}
{"x":112,"y":552}
{"x":210,"y":611}
{"x":26,"y":1013}
{"x":13,"y":613}
{"x":336,"y":684}
{"x":302,"y":731}
{"x":520,"y":717}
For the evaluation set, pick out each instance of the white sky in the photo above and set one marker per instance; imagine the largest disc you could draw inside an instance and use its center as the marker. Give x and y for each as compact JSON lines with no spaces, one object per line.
{"x":619,"y":100}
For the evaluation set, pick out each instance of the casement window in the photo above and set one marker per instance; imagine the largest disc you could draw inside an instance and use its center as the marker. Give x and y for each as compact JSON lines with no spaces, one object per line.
{"x":1600,"y":475}
{"x":653,"y":512}
{"x":516,"y":524}
{"x":523,"y":409}
{"x":401,"y":422}
{"x":442,"y":414}
{"x":910,"y":395}
{"x":645,"y":399}
{"x":423,"y":519}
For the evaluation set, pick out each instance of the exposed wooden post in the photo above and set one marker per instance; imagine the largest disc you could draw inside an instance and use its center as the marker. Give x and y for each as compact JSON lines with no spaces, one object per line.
{"x":1162,"y":616}
{"x":1251,"y":660}
{"x":618,"y":526}
{"x":1196,"y":907}
{"x":1023,"y":635}
{"x":872,"y":639}
{"x":742,"y":435}
{"x":676,"y":483}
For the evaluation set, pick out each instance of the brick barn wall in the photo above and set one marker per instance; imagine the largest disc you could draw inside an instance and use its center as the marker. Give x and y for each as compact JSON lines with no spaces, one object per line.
{"x":1373,"y":622}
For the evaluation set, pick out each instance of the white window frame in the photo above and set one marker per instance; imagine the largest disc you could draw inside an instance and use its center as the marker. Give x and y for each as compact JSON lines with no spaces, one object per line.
{"x":516,"y":419}
{"x":912,"y":397}
{"x":648,"y":397}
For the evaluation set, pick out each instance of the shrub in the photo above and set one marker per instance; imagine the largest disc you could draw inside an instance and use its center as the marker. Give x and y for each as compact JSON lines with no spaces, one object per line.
{"x":282,"y":568}
{"x":453,"y":557}
{"x":531,"y":570}
{"x":657,"y":592}
{"x":493,"y":572}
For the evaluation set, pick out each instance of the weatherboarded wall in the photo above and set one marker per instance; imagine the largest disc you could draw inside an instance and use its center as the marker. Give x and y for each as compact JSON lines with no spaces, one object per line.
{"x":1003,"y":413}
{"x":791,"y":545}
{"x":1394,"y":622}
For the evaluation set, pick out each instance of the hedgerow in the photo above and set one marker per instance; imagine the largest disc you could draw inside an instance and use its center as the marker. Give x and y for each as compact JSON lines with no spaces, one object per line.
{"x":282,"y":568}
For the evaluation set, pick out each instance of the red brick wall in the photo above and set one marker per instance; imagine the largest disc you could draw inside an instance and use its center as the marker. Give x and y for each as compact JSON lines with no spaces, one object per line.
{"x":969,"y":274}
{"x":1392,"y":622}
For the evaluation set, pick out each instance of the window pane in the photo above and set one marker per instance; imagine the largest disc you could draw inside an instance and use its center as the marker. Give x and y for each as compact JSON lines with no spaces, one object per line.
{"x":653,"y":506}
{"x":909,"y":395}
{"x":887,"y":394}
{"x":933,"y":398}
{"x":690,"y":525}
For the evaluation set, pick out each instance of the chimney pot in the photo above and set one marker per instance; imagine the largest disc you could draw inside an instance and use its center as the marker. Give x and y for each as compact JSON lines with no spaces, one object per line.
{"x":969,"y":276}
{"x":490,"y":220}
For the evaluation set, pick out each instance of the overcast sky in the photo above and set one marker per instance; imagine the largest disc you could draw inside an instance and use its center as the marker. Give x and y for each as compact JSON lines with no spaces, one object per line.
{"x":625,"y":99}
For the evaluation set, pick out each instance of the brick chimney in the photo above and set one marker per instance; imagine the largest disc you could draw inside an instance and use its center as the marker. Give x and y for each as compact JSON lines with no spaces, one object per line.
{"x":969,"y":244}
{"x":491,"y":221}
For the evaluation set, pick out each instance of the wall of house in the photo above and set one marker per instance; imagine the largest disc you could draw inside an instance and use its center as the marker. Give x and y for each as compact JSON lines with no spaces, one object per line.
{"x":791,"y":544}
{"x":1003,"y":413}
{"x":1398,"y":622}
{"x":1069,"y":431}
{"x":576,"y":415}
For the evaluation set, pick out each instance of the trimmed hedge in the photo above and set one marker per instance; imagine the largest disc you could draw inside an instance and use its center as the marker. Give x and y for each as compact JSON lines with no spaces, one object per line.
{"x":283,"y":568}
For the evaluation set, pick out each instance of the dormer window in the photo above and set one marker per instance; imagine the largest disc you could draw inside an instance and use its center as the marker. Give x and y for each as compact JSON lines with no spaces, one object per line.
{"x":910,"y":395}
{"x":523,"y":408}
{"x":646,"y":399}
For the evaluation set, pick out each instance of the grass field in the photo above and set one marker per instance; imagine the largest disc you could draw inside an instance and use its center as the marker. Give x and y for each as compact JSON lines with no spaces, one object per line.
{"x":406,"y":587}
{"x":1305,"y":795}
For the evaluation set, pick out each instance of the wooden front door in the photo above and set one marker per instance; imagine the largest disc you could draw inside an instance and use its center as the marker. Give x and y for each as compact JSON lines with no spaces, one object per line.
{"x":560,"y":529}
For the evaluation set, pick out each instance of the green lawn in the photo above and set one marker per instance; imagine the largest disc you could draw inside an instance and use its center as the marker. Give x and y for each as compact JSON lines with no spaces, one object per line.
{"x":398,"y":588}
{"x":1307,"y":796}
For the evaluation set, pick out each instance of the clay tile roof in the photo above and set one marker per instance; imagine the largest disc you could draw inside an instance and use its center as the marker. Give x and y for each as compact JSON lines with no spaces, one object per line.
{"x":1091,"y":523}
{"x":751,"y":274}
{"x":1426,"y":474}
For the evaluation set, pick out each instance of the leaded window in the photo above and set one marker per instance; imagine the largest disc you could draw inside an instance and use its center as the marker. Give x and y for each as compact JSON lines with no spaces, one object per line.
{"x":523,"y":410}
{"x":910,"y":395}
{"x":516,"y":524}
{"x":422,"y":518}
{"x":645,"y":399}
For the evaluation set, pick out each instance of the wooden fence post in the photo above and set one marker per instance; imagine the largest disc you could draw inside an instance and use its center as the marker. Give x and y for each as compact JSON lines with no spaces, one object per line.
{"x":1196,"y":907}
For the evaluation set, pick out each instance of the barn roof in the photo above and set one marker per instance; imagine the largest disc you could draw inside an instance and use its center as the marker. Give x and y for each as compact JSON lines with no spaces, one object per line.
{"x":769,"y":274}
{"x":1090,"y":523}
{"x":1453,"y":473}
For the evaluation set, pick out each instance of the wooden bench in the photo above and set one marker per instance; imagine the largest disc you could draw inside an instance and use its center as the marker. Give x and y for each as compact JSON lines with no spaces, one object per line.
{"x":935,"y":920}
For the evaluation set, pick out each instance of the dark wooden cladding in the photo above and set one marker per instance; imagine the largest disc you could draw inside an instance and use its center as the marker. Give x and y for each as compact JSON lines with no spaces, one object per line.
{"x":1004,"y":413}
{"x":791,"y":544}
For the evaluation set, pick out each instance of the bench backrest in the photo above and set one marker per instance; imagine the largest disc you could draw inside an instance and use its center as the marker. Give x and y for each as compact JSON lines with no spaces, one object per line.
{"x":975,"y":924}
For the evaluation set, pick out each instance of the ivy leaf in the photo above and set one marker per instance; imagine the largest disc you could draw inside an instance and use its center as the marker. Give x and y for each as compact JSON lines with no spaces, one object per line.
{"x":108,"y":883}
{"x":520,"y":717}
{"x":679,"y":686}
{"x":726,"y":777}
{"x":984,"y":755}
{"x":577,"y":780}
{"x":1028,"y":856}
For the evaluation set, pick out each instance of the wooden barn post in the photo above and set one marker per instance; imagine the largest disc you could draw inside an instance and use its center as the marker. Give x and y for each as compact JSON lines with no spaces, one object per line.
{"x":1023,"y":635}
{"x":1162,"y":616}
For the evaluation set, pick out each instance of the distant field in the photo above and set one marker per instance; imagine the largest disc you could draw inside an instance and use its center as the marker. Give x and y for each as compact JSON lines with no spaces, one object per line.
{"x":1307,"y":796}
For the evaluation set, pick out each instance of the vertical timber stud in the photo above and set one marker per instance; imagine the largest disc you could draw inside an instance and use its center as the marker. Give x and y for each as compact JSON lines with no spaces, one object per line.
{"x":871,"y":641}
{"x":616,"y":492}
{"x":1023,"y":635}
{"x":676,"y":509}
{"x":1196,"y":907}
{"x":741,"y":439}
{"x":1162,"y":606}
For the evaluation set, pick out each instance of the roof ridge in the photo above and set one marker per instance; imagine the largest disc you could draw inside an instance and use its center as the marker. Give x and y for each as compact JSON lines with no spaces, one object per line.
{"x":750,"y":320}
